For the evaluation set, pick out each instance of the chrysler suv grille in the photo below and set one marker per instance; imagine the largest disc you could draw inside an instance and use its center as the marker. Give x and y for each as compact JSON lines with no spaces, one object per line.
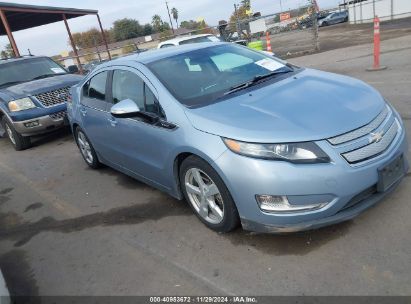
{"x":370,"y":140}
{"x":53,"y":98}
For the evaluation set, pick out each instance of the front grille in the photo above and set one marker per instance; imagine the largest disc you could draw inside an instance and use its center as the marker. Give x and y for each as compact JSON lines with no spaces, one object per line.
{"x":53,"y":98}
{"x":361,"y":131}
{"x":373,"y":149}
{"x":58,"y":115}
{"x":368,"y":141}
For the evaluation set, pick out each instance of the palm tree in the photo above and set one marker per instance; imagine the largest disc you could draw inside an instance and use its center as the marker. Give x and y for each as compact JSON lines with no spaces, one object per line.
{"x":156,"y":22}
{"x":174,"y":12}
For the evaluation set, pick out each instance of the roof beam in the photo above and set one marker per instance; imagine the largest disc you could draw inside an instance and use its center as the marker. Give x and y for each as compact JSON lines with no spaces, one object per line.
{"x":9,"y":33}
{"x":73,"y":45}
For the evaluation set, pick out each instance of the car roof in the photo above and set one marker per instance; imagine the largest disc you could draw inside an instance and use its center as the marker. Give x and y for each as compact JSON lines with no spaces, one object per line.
{"x":184,"y":38}
{"x":9,"y":60}
{"x":157,"y":54}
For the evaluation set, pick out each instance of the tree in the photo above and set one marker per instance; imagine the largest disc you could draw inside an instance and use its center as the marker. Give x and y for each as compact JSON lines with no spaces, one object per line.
{"x":246,"y":4}
{"x":236,"y":17}
{"x":90,"y":38}
{"x":3,"y":54}
{"x":174,"y":13}
{"x":9,"y":50}
{"x":148,"y":29}
{"x":124,"y":29}
{"x":156,"y":21}
{"x":192,"y":25}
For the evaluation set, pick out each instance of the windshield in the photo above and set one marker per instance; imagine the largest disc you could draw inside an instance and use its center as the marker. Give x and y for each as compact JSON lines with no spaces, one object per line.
{"x":28,"y":69}
{"x":201,"y":76}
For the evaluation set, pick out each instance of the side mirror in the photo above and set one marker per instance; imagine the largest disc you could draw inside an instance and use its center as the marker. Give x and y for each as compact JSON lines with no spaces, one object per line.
{"x":73,"y":69}
{"x":125,"y":108}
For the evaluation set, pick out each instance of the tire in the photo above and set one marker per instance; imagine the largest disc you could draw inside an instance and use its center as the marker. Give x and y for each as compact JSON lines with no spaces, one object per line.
{"x":216,"y":210}
{"x":18,"y":141}
{"x":86,"y":149}
{"x":324,"y":24}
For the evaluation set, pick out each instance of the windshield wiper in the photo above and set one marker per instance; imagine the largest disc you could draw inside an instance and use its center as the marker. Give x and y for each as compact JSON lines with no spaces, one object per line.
{"x":47,"y":75}
{"x":7,"y":84}
{"x":257,"y":79}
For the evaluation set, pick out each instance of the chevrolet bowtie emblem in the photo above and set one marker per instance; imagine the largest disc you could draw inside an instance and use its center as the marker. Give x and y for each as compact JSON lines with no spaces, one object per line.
{"x":376,"y":137}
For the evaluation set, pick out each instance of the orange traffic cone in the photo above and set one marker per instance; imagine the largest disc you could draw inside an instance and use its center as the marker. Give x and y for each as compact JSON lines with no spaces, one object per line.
{"x":268,"y":42}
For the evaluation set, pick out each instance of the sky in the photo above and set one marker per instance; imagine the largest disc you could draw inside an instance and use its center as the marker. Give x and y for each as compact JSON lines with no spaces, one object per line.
{"x":52,"y":39}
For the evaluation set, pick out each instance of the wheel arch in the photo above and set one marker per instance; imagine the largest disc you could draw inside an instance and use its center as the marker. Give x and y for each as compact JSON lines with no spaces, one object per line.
{"x":178,"y":160}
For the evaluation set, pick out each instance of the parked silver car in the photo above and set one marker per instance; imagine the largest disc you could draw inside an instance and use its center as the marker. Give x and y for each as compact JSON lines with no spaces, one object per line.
{"x":242,"y":136}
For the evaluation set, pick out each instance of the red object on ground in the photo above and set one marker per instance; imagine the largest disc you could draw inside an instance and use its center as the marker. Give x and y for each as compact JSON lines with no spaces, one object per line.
{"x":376,"y":43}
{"x":268,"y":42}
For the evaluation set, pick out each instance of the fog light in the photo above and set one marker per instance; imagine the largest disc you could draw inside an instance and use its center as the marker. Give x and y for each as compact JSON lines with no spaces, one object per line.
{"x":274,"y":203}
{"x":32,"y":124}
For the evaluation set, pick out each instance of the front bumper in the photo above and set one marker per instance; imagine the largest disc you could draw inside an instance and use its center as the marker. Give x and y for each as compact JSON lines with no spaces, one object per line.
{"x":43,"y":124}
{"x":337,"y":183}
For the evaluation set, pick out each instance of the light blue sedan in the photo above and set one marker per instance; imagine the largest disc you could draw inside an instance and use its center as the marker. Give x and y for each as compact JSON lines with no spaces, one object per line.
{"x":243,"y":137}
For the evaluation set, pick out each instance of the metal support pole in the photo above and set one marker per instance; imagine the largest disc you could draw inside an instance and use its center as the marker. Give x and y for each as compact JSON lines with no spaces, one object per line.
{"x":237,"y":21}
{"x":169,"y":16}
{"x":361,"y":21}
{"x":73,"y":44}
{"x":9,"y":33}
{"x":355,"y":13}
{"x":104,"y":37}
{"x":315,"y":26}
{"x":97,"y":50}
{"x":392,"y":9}
{"x":373,"y":8}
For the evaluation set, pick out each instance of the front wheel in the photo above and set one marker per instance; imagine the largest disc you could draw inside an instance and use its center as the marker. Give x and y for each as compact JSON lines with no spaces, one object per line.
{"x":207,"y":195}
{"x":18,"y":141}
{"x":86,"y":149}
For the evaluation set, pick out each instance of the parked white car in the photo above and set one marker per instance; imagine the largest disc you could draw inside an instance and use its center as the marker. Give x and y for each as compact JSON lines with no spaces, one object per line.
{"x":197,"y":39}
{"x":188,"y":39}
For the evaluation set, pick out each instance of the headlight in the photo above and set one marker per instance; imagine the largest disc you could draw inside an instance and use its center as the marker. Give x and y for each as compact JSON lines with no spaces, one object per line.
{"x":307,"y":152}
{"x":21,"y":104}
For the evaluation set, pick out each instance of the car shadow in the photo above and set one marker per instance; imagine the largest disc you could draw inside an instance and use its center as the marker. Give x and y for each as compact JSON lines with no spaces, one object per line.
{"x":61,"y":134}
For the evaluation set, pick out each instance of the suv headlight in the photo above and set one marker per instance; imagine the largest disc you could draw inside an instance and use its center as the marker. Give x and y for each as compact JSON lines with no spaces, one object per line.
{"x":306,"y":152}
{"x":21,"y":104}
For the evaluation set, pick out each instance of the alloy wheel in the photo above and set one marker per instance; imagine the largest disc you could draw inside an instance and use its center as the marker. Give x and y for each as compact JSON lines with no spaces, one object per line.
{"x":10,"y":134}
{"x":204,"y":195}
{"x":84,"y":146}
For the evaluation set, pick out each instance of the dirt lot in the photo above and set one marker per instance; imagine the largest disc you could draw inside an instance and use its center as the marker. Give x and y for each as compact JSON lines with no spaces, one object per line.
{"x":291,"y":44}
{"x":69,"y":230}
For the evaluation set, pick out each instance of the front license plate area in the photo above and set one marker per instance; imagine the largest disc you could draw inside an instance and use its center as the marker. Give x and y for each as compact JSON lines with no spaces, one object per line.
{"x":390,"y":173}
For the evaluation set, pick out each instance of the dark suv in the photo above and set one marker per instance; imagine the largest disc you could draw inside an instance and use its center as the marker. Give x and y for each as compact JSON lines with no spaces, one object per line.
{"x":33,"y":95}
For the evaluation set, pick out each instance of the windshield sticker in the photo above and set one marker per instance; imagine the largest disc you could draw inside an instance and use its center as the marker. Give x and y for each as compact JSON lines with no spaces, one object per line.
{"x":269,"y":64}
{"x":57,"y":70}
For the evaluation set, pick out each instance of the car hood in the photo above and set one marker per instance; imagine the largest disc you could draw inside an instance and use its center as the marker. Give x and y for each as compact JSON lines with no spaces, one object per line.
{"x":39,"y":86}
{"x":312,"y":105}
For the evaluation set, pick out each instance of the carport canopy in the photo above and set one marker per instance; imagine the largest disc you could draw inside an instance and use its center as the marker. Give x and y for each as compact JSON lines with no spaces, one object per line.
{"x":17,"y":17}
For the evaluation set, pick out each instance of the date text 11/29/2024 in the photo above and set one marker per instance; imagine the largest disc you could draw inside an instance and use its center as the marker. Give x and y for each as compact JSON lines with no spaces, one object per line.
{"x":203,"y":299}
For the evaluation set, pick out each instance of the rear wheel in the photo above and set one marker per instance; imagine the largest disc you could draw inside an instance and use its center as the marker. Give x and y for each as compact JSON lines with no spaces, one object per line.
{"x":207,"y":195}
{"x":18,"y":141}
{"x":86,"y":149}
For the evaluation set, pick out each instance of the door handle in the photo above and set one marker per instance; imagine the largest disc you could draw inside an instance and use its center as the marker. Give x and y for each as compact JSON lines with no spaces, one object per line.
{"x":112,"y":121}
{"x":83,"y":111}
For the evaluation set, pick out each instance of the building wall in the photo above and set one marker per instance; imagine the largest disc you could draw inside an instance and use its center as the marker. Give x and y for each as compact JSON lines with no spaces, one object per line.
{"x":363,"y":12}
